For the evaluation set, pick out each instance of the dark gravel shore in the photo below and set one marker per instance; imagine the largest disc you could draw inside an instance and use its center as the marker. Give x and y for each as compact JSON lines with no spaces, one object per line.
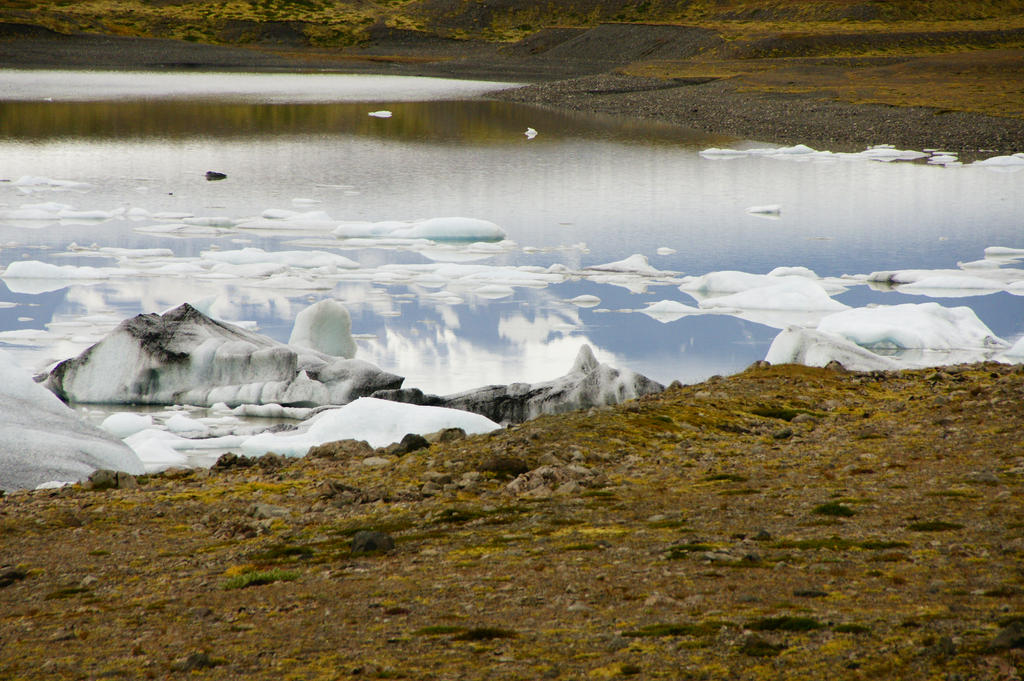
{"x":720,"y":107}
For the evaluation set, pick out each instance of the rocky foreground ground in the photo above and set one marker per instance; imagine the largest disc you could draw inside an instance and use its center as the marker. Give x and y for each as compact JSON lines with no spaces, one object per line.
{"x":784,"y":523}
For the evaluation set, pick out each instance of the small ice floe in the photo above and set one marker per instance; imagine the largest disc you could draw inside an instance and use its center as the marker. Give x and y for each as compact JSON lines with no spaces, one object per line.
{"x":888,"y":153}
{"x":434,"y":229}
{"x":585,"y":300}
{"x":1004,"y":252}
{"x":1011,"y":163}
{"x":634,"y":264}
{"x":378,"y":422}
{"x":124,"y":424}
{"x":944,"y":158}
{"x":771,"y":211}
{"x":296,"y":259}
{"x":801,"y":152}
{"x":383,"y":113}
{"x":530,"y":133}
{"x":494,"y":291}
{"x":209,"y":221}
{"x":44,"y":440}
{"x":666,"y":311}
{"x":276,"y":219}
{"x":665,"y":250}
{"x":31,"y":183}
{"x":952,"y":286}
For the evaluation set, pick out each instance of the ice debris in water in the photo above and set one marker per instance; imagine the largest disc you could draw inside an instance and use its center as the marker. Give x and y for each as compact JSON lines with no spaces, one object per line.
{"x":435,"y":229}
{"x":42,"y":440}
{"x":379,"y":422}
{"x":185,"y":357}
{"x":772,"y":210}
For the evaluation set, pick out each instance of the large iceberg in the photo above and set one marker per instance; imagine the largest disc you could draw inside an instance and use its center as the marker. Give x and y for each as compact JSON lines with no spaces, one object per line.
{"x":588,"y":384}
{"x":42,"y":440}
{"x":185,"y":357}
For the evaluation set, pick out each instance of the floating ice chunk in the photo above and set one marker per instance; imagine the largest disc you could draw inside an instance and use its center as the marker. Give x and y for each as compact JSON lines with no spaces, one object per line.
{"x":530,"y":133}
{"x":887,"y":153}
{"x":35,"y":269}
{"x":136,"y":253}
{"x":925,"y":326}
{"x":154,"y":448}
{"x":210,"y":221}
{"x":634,"y":264}
{"x":184,"y":357}
{"x":797,"y":345}
{"x":383,"y":113}
{"x":665,"y":250}
{"x":799,"y":271}
{"x":435,"y":229}
{"x":772,"y":210}
{"x":325,"y":327}
{"x":379,"y":422}
{"x":181,"y":424}
{"x":289,"y":221}
{"x":1004,"y":252}
{"x":124,"y":424}
{"x":585,"y":300}
{"x":297,"y":259}
{"x":34,"y":183}
{"x":494,"y":291}
{"x":732,"y":281}
{"x":951,"y":286}
{"x":789,"y":293}
{"x":1011,"y":162}
{"x":42,"y":440}
{"x":666,"y":311}
{"x":716,"y":153}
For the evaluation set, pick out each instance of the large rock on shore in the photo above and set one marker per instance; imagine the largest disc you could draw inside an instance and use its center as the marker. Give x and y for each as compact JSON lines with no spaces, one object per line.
{"x":42,"y":440}
{"x":185,"y":357}
{"x":588,"y":384}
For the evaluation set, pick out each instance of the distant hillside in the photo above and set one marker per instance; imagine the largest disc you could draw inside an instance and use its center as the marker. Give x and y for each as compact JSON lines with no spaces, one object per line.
{"x":342,"y":23}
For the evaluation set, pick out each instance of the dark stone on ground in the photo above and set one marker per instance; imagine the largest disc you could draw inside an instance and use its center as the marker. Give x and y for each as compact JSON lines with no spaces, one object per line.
{"x":1011,"y":636}
{"x":371,"y":541}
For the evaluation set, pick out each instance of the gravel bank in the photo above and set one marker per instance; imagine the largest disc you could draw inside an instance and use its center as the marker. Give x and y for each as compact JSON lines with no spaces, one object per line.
{"x":720,"y":107}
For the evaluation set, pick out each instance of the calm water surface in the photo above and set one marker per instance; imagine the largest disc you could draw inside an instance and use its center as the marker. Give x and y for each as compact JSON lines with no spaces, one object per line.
{"x":585,"y":191}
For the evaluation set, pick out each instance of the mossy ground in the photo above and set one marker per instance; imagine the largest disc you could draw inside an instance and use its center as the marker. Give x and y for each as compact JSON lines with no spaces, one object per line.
{"x":661,"y":572}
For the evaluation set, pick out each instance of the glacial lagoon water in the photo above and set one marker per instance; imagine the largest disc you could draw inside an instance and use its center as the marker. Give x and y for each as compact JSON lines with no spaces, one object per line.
{"x":98,"y":170}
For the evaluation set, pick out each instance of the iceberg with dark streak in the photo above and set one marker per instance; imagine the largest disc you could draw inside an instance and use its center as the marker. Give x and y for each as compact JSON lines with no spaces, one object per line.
{"x":588,"y":384}
{"x":185,"y":357}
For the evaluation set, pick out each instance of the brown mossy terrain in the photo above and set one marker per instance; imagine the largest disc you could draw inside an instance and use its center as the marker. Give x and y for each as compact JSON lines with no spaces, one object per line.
{"x":784,"y":523}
